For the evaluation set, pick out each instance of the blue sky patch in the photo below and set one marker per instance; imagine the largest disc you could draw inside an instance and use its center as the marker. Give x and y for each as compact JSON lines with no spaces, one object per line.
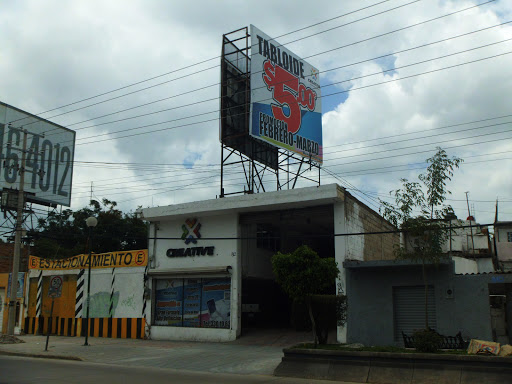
{"x":190,"y":159}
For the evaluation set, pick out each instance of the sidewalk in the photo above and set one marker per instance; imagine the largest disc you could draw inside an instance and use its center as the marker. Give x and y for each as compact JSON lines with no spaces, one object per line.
{"x":254,"y":353}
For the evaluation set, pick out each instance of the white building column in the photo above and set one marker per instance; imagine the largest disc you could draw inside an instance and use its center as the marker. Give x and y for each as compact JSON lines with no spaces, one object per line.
{"x":340,"y":252}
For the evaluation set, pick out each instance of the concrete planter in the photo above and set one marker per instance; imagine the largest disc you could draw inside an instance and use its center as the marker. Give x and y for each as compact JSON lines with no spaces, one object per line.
{"x":394,"y":368}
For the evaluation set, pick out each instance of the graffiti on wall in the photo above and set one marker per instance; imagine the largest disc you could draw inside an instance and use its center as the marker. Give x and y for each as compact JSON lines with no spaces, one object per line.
{"x":100,"y":304}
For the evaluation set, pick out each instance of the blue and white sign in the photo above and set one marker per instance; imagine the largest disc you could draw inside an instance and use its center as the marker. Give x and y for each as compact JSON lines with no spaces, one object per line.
{"x":286,"y":104}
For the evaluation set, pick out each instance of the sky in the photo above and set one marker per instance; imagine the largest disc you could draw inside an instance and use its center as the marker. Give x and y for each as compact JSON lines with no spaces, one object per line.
{"x":139,"y":82}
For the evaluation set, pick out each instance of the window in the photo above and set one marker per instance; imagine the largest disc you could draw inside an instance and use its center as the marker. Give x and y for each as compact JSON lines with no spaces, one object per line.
{"x":196,"y":303}
{"x":509,"y":237}
{"x":267,"y":237}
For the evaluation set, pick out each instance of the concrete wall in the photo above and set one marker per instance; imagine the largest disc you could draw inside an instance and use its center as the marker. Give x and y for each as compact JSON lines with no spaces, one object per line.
{"x":226,"y":253}
{"x":4,"y":302}
{"x":370,"y":301}
{"x":351,"y":216}
{"x":360,"y":218}
{"x":504,"y":247}
{"x":464,"y":265}
{"x":128,"y":293}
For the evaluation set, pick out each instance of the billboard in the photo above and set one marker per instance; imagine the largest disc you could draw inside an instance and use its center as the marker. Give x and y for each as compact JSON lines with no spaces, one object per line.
{"x":49,"y":156}
{"x":286,"y":108}
{"x":235,"y":101}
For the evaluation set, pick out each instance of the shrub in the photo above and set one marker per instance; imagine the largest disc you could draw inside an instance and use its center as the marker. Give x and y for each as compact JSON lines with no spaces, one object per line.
{"x":427,"y":340}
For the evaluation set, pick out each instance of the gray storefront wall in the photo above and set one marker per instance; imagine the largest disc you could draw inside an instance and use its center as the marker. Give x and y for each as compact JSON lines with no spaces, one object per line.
{"x":461,"y":301}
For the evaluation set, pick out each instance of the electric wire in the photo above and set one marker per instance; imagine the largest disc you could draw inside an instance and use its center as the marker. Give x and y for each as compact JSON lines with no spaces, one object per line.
{"x":394,"y":31}
{"x":207,"y":60}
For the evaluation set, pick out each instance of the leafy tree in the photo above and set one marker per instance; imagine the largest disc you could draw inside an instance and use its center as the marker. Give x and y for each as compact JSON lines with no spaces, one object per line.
{"x":425,"y":232}
{"x":64,"y":234}
{"x":303,"y":274}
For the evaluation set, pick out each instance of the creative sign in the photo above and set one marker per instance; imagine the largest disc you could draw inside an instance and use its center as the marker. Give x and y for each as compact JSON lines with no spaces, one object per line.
{"x":137,"y":258}
{"x":191,"y":231}
{"x":192,"y":251}
{"x":55,"y":289}
{"x":191,"y":235}
{"x":49,"y":161}
{"x":286,"y":108}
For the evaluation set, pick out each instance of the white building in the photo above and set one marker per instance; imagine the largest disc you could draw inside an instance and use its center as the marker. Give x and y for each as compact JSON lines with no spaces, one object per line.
{"x":503,"y":233}
{"x":209,"y":261}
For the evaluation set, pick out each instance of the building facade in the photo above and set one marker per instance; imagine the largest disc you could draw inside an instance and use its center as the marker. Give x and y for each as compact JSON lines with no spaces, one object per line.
{"x":388,"y":298}
{"x":58,"y":290}
{"x":503,"y":236}
{"x":6,"y":258}
{"x":210,"y":272}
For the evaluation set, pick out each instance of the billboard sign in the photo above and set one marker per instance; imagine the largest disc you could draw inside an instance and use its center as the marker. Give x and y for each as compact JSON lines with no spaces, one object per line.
{"x":286,"y":108}
{"x":49,"y":156}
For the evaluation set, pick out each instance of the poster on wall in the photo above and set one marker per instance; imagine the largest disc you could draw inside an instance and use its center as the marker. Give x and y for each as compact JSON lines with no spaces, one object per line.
{"x":216,"y":303}
{"x":286,"y":107}
{"x":169,"y":302}
{"x":19,"y":286}
{"x":192,"y":302}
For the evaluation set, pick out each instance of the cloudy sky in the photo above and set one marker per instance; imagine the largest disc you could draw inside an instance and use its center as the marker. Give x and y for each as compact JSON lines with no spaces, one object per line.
{"x":138,"y":81}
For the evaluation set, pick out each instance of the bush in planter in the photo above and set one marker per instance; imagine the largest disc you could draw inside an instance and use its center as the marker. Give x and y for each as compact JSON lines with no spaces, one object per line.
{"x":328,"y":311}
{"x":427,"y":340}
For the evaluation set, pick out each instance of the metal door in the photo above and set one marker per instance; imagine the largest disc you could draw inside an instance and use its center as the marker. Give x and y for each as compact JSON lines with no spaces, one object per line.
{"x":409,"y":310}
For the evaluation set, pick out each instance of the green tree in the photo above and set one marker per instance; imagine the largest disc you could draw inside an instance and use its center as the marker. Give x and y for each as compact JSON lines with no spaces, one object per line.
{"x":303,"y":274}
{"x":420,"y":212}
{"x":64,"y":234}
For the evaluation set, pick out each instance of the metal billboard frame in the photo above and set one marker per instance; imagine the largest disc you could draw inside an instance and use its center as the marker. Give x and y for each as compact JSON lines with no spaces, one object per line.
{"x":239,"y":149}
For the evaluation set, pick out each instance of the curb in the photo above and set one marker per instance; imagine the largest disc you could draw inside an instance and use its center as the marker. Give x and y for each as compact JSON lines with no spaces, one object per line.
{"x":41,"y":356}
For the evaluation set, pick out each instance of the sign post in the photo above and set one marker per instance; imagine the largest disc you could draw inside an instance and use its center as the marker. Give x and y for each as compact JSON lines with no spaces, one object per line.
{"x":54,"y":292}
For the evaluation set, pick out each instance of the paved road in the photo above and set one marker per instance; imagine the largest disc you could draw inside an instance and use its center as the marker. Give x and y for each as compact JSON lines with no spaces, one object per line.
{"x":22,"y":370}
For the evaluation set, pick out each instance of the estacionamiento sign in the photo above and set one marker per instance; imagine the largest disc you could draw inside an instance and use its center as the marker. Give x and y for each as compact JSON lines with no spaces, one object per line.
{"x":137,"y":258}
{"x":286,"y":108}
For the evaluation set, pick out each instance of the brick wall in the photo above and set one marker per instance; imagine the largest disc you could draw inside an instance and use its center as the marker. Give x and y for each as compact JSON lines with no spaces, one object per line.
{"x":6,"y":255}
{"x":361,"y":219}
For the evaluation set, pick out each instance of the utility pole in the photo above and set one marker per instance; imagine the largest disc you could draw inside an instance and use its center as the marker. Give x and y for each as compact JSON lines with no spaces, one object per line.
{"x":470,"y":225}
{"x":17,"y":240}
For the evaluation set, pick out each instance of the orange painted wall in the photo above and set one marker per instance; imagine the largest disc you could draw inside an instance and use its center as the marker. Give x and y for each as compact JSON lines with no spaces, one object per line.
{"x":64,"y":306}
{"x":4,"y":278}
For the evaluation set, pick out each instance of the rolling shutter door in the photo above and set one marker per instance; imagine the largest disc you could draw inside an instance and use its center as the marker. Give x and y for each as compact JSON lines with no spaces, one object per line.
{"x":409,"y":310}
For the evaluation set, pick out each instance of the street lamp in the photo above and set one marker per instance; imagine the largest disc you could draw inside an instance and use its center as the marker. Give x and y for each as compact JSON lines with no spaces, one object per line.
{"x":91,"y":222}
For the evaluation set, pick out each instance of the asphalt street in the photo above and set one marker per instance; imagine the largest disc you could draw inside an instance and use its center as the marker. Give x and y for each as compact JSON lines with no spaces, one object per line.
{"x":20,"y":370}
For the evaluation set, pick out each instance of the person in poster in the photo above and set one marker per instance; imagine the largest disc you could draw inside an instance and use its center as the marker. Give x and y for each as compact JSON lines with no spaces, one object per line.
{"x":216,"y":307}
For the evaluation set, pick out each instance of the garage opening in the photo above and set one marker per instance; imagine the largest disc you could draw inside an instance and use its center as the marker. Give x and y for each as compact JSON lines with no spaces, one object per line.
{"x":264,"y":304}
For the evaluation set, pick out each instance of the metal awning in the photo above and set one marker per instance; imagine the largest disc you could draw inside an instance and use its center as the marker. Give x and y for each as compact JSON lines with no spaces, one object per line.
{"x":223,"y":270}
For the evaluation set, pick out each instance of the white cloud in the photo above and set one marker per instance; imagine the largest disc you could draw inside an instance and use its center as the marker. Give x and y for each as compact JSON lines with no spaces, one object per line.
{"x":54,"y":53}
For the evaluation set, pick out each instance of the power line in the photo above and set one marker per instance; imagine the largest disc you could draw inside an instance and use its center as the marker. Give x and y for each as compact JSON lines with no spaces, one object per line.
{"x":205,"y":61}
{"x":216,"y":84}
{"x":217,"y":98}
{"x":332,"y":94}
{"x":387,"y":33}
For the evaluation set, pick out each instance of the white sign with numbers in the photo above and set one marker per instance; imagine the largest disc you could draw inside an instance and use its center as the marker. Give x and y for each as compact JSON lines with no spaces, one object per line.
{"x":49,"y":156}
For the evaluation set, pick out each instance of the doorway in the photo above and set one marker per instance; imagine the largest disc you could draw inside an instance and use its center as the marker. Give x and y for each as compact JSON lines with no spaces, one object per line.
{"x":500,"y":303}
